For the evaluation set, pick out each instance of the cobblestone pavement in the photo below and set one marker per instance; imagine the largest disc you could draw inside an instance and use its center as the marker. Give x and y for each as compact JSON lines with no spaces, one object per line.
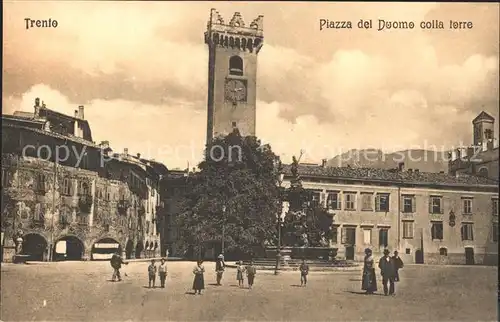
{"x":81,"y":291}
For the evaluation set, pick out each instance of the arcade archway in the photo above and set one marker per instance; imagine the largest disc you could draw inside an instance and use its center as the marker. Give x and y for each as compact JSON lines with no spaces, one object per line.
{"x":34,"y":246}
{"x":68,"y":248}
{"x":138,"y":249}
{"x":104,"y":248}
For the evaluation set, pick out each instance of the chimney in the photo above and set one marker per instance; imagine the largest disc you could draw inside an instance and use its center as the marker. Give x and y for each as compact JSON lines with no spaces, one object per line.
{"x":323,"y":163}
{"x":125,"y":151}
{"x":138,"y":155}
{"x":37,"y":107}
{"x":76,"y":113}
{"x":417,"y":171}
{"x":442,"y":172}
{"x":410,"y":170}
{"x":401,"y":166}
{"x":80,"y":112}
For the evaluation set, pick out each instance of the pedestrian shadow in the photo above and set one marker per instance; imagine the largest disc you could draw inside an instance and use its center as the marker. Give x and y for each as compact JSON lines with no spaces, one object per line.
{"x":190,"y":293}
{"x":355,"y":280}
{"x":362,"y":293}
{"x":214,"y":284}
{"x":295,"y":285}
{"x":234,"y":285}
{"x":146,"y":286}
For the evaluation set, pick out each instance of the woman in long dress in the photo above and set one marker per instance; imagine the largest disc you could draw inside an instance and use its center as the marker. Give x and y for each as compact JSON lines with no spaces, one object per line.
{"x":199,"y":281}
{"x":369,"y":279}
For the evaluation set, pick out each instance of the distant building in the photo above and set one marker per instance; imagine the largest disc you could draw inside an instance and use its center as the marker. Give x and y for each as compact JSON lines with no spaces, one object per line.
{"x":480,"y":159}
{"x":86,"y":205}
{"x":427,"y":217}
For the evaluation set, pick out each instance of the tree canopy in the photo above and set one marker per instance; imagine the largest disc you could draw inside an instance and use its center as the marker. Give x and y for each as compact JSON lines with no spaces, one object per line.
{"x":235,"y":188}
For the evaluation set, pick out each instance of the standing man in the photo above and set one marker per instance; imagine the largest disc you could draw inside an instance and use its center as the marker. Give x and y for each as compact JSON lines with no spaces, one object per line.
{"x":398,"y":264}
{"x":304,"y":271}
{"x":219,"y":268}
{"x":388,"y":272}
{"x":116,"y":263}
{"x":251,"y":272}
{"x":162,"y":272}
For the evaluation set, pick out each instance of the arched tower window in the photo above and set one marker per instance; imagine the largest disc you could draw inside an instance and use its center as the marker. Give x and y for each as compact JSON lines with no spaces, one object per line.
{"x":236,"y":66}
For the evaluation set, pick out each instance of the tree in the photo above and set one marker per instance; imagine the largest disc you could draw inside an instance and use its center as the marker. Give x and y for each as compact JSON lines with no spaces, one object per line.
{"x":239,"y":175}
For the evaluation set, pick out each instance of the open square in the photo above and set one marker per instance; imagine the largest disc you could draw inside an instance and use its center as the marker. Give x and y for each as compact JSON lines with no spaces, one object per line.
{"x":82,"y":291}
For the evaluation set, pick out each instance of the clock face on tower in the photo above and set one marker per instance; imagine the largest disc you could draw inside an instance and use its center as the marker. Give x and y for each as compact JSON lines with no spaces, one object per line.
{"x":235,"y":90}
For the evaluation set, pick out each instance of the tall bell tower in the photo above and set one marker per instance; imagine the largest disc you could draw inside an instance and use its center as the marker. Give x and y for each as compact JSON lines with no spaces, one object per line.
{"x":232,"y":74}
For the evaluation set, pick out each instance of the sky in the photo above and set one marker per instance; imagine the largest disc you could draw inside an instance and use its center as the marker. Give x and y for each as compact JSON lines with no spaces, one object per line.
{"x":140,"y":70}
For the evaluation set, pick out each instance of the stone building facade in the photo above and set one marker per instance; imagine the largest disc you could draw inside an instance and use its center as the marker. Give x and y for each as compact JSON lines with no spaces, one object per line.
{"x":481,"y":158}
{"x":59,"y":185}
{"x":428,"y":217}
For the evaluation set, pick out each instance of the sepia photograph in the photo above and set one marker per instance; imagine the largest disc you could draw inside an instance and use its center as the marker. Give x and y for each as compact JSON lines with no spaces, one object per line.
{"x":250,"y":161}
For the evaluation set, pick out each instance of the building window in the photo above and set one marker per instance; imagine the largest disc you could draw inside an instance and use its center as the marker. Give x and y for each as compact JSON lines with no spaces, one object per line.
{"x":315,"y":199}
{"x":383,"y":237}
{"x":408,"y":229}
{"x":233,"y":124}
{"x":494,"y":233}
{"x":367,"y":236}
{"x":495,"y":207}
{"x":334,"y":200}
{"x":443,"y":251}
{"x":83,"y":188}
{"x":40,"y":182}
{"x":66,"y":187}
{"x":5,"y":178}
{"x":436,"y":205}
{"x":483,"y":172}
{"x":408,"y":251}
{"x":63,"y":218}
{"x":382,"y":202}
{"x":236,"y":66}
{"x":366,"y":201}
{"x":409,"y":204}
{"x":467,"y":206}
{"x":348,"y":236}
{"x":334,"y":235}
{"x":467,"y":231}
{"x":437,"y":231}
{"x":350,"y":201}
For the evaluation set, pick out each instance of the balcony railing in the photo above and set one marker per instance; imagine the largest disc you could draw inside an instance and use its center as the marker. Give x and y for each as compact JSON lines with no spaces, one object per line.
{"x":467,"y":217}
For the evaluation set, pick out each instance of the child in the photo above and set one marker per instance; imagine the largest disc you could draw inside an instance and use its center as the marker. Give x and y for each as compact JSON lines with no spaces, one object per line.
{"x":304,"y":270}
{"x":240,"y":269}
{"x":152,"y":273}
{"x":162,"y":272}
{"x":251,"y":272}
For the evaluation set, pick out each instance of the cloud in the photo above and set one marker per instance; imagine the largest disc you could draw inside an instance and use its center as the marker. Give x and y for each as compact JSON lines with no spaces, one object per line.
{"x":143,"y":67}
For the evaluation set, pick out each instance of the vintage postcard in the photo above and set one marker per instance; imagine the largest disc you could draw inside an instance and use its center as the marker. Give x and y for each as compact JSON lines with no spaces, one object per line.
{"x":249,"y":161}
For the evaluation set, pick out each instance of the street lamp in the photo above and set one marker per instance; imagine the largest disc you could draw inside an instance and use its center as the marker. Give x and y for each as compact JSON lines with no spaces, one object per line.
{"x":278,"y":248}
{"x":223,"y":227}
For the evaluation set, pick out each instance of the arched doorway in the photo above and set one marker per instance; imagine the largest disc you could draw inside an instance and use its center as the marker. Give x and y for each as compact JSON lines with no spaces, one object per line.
{"x":104,"y":248}
{"x":419,"y":257}
{"x":129,"y":248}
{"x":35,"y":246}
{"x":138,"y":249}
{"x":68,"y":248}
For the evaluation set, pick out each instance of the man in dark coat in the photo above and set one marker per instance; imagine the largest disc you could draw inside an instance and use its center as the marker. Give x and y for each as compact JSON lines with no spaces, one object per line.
{"x":116,"y":263}
{"x":388,"y":271}
{"x":398,"y":262}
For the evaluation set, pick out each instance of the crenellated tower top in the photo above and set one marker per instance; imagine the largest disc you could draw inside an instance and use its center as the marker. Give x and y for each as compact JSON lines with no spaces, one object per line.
{"x":235,"y":34}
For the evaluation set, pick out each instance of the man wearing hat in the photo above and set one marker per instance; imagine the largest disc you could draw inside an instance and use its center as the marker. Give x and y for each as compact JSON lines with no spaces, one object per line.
{"x":219,"y":268}
{"x":388,"y":271}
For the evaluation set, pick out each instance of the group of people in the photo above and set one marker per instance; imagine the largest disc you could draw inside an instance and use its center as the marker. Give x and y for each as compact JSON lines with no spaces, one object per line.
{"x":389,"y":269}
{"x":220,"y":266}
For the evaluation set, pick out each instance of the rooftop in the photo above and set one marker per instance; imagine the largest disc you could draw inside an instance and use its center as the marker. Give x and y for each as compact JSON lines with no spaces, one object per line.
{"x":393,"y":176}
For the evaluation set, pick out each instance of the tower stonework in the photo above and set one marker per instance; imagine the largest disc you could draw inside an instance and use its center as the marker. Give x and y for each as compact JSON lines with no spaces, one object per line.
{"x":232,"y":74}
